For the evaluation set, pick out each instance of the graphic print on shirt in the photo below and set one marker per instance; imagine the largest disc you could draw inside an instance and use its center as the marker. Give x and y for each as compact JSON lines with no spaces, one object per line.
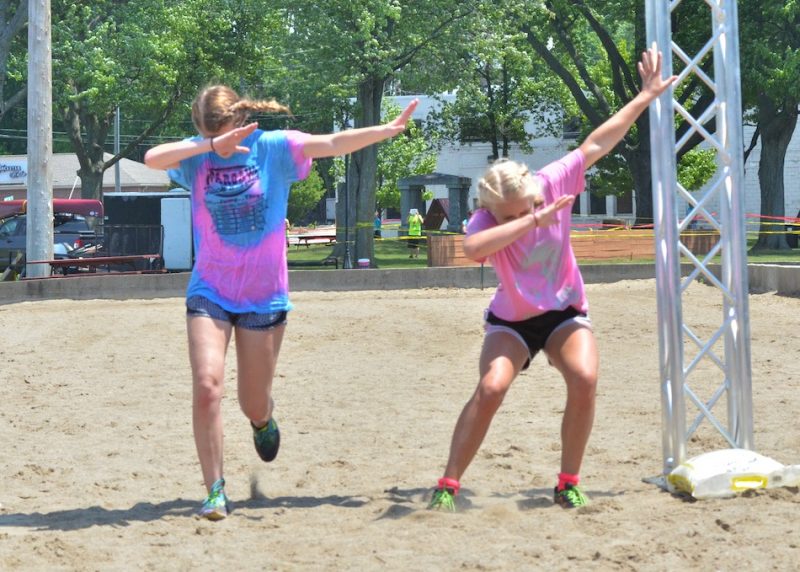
{"x":236,"y":202}
{"x":546,"y":254}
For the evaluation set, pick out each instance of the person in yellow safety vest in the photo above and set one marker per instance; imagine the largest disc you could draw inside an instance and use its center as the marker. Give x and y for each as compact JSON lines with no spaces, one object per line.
{"x":415,"y":221}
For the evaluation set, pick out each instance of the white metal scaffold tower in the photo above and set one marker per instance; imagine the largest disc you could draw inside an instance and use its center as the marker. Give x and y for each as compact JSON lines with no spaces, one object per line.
{"x":726,"y":189}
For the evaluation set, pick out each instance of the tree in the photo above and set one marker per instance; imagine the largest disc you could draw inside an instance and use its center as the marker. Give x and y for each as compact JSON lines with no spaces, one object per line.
{"x":411,"y":153}
{"x":147,"y":58}
{"x":593,"y":50}
{"x":770,"y":60}
{"x":501,"y":87}
{"x":305,"y":195}
{"x":360,"y":48}
{"x":13,"y":66}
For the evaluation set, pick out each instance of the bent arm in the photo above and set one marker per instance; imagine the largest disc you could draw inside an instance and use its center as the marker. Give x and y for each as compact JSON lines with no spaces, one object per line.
{"x":169,"y":155}
{"x":484,"y":243}
{"x":225,"y":144}
{"x":480,"y":245}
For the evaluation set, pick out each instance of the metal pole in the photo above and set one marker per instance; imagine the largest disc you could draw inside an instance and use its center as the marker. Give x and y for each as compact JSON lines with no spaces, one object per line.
{"x":117,"y":182}
{"x":662,"y":143}
{"x":39,"y":239}
{"x":347,"y":263}
{"x":734,"y":248}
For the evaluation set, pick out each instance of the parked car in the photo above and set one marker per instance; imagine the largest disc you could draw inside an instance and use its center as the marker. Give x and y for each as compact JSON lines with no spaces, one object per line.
{"x":73,"y":227}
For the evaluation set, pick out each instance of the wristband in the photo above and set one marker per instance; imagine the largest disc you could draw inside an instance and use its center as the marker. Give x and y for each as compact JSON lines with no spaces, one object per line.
{"x":211,"y":141}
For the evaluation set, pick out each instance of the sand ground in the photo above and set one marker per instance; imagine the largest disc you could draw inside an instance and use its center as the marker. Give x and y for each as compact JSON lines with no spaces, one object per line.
{"x":99,"y":469}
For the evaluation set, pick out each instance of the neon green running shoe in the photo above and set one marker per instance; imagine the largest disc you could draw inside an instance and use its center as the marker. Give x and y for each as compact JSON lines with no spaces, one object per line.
{"x":444,"y":500}
{"x":570,"y":497}
{"x":267,"y":440}
{"x":216,"y":506}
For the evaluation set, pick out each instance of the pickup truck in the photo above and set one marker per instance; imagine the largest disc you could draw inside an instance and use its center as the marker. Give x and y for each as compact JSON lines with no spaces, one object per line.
{"x":74,"y":225}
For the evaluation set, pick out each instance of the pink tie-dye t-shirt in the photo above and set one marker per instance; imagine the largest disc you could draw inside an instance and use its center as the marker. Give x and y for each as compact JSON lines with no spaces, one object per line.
{"x":538,"y":272}
{"x":239,"y":221}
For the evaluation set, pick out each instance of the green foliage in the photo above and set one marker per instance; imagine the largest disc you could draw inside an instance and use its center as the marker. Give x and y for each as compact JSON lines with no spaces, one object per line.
{"x":305,"y":195}
{"x":696,"y":168}
{"x":501,"y":86}
{"x":409,"y":154}
{"x":412,"y":153}
{"x":770,"y":50}
{"x":611,"y":176}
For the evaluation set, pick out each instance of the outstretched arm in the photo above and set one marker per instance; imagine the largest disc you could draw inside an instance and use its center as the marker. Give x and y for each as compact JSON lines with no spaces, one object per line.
{"x":350,"y":140}
{"x":602,"y":140}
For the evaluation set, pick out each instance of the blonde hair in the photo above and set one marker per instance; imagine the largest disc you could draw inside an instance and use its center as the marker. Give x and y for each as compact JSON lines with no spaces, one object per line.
{"x":217,"y":106}
{"x":507,"y":180}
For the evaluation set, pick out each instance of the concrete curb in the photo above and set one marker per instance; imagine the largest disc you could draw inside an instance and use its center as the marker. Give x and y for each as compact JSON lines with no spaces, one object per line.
{"x":785,"y":280}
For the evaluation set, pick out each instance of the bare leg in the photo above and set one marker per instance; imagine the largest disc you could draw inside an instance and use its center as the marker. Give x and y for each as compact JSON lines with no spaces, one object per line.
{"x":257,"y":354}
{"x":573,"y":351}
{"x":208,"y":343}
{"x":501,"y":359}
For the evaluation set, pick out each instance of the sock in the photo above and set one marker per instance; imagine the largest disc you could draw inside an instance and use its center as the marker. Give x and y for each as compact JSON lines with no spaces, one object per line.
{"x":565,"y":479}
{"x":452,"y":484}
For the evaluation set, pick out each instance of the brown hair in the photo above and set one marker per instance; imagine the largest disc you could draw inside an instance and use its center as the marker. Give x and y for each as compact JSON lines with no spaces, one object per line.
{"x":507,"y":180}
{"x":217,"y":106}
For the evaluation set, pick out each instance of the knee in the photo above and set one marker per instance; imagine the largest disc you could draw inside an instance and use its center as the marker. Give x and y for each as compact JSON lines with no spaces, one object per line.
{"x":254,"y":411}
{"x":491,"y":392}
{"x":208,"y":390}
{"x":582,"y":384}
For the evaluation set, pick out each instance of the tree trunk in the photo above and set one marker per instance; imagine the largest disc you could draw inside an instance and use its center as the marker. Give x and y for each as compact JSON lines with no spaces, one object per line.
{"x":641,"y":172}
{"x":362,"y":173}
{"x":92,"y":182}
{"x":639,"y":163}
{"x":777,"y":127}
{"x":88,"y":151}
{"x":91,"y":172}
{"x":8,"y":30}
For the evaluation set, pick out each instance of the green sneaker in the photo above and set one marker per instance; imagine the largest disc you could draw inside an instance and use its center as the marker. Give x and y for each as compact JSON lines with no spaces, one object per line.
{"x":267,"y":440}
{"x":444,"y":500}
{"x":216,"y":506}
{"x":570,"y":497}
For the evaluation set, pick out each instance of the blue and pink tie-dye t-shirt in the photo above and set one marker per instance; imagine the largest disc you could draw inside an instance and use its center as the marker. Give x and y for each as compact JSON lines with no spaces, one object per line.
{"x":239,"y":221}
{"x":538,"y":272}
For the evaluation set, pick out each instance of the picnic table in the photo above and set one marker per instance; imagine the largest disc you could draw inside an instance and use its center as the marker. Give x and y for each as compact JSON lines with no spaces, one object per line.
{"x":307,"y":239}
{"x":93,"y":263}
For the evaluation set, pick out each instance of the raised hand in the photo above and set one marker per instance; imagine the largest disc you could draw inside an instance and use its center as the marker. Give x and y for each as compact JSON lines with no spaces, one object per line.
{"x":650,"y":71}
{"x":398,"y":124}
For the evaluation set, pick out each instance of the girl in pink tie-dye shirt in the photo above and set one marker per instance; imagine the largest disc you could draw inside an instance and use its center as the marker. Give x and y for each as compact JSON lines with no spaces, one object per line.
{"x":239,"y":177}
{"x":522,"y":229}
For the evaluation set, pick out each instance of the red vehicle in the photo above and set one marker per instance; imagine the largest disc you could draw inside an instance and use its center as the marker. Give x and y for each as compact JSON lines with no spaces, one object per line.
{"x":74,"y":225}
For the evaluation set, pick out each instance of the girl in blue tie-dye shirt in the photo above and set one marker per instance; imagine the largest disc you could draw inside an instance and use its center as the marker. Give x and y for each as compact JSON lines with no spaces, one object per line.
{"x":239,"y":177}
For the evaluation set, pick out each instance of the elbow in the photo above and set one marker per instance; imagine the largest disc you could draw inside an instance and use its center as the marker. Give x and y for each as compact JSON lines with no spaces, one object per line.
{"x":149,"y":160}
{"x":153,"y":161}
{"x":471,"y":251}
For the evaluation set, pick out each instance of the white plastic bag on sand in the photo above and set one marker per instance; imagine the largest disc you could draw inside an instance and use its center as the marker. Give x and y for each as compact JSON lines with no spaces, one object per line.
{"x":729,"y":471}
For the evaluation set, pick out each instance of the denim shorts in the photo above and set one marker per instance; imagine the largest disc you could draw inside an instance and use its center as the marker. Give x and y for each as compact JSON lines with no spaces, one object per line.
{"x":534,"y":332}
{"x":202,"y":306}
